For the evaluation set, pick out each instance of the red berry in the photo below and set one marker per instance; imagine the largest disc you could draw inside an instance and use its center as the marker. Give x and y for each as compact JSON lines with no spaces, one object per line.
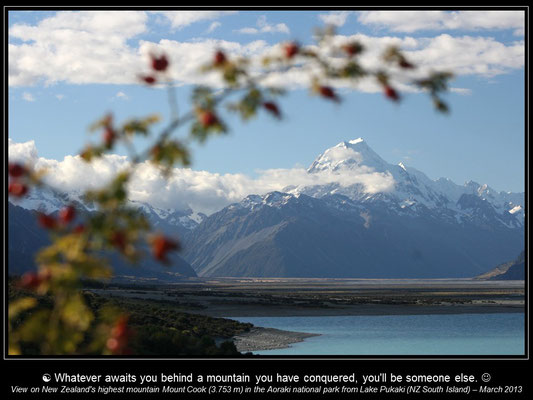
{"x":391,"y":93}
{"x":17,"y":189}
{"x":159,"y":63}
{"x":220,"y":58}
{"x":46,"y":221}
{"x":121,"y":327}
{"x":16,"y":170}
{"x":352,"y":48}
{"x":120,"y":334}
{"x":150,"y":80}
{"x":109,"y":137}
{"x":30,"y":280}
{"x":118,"y":239}
{"x":208,"y":118}
{"x":291,"y":49}
{"x":80,"y":228}
{"x":272,"y":108}
{"x":328,"y":93}
{"x":161,"y":246}
{"x":405,"y":64}
{"x":112,"y":344}
{"x":67,"y":214}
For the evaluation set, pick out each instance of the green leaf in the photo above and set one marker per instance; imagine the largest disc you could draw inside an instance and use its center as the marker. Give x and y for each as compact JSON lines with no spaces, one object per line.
{"x":352,"y":70}
{"x":20,"y":305}
{"x":75,"y":313}
{"x":247,"y":107}
{"x":170,"y":153}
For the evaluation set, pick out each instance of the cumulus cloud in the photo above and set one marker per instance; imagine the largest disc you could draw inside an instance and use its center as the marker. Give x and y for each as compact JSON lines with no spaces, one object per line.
{"x":264,"y":27}
{"x":202,"y":191}
{"x":22,"y":152}
{"x":469,"y":55}
{"x":97,"y":47}
{"x":77,"y":47}
{"x":337,"y":18}
{"x":183,"y":18}
{"x":411,"y":21}
{"x":186,"y":58}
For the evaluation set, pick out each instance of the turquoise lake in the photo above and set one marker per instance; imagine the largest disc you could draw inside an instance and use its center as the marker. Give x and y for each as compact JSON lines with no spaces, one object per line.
{"x":443,"y":334}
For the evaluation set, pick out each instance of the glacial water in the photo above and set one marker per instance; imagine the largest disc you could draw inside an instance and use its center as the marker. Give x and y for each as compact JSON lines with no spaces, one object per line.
{"x":429,"y":335}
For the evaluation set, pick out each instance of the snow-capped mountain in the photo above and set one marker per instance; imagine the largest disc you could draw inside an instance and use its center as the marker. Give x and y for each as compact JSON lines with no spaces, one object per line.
{"x":412,"y":191}
{"x":48,"y":200}
{"x":362,"y":217}
{"x":412,"y":227}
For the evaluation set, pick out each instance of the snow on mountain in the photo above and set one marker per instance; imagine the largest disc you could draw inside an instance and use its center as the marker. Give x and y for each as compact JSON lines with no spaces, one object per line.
{"x":295,"y":235}
{"x":354,"y":154}
{"x":359,"y":173}
{"x":413,"y":190}
{"x":169,"y":217}
{"x":48,"y":200}
{"x":272,"y":199}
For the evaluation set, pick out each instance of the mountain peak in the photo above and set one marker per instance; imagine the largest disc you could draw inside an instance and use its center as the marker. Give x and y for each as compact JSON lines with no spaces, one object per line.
{"x":349,"y":155}
{"x":356,"y":141}
{"x":353,"y":144}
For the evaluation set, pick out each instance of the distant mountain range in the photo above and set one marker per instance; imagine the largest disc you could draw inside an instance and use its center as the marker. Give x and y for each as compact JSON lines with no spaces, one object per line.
{"x":167,"y":220}
{"x":419,"y":229}
{"x":413,"y":228}
{"x":26,"y":237}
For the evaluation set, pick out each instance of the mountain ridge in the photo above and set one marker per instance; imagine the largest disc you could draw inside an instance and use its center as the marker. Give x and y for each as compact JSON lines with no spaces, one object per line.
{"x":373,"y":219}
{"x":418,"y":228}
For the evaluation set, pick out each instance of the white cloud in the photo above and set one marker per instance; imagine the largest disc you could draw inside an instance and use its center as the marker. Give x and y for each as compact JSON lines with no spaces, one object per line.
{"x":186,"y":58}
{"x":264,"y":27}
{"x":77,"y":47}
{"x":461,"y":91}
{"x":337,"y":18}
{"x":181,"y":19}
{"x":22,"y":152}
{"x":60,"y":96}
{"x":122,"y":96}
{"x":214,"y":25}
{"x":469,"y":55}
{"x":202,"y":191}
{"x":27,"y":96}
{"x":85,"y":51}
{"x":411,"y":21}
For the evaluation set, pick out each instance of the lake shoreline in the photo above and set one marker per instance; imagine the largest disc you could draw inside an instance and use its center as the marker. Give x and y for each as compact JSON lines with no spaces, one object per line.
{"x":259,"y":338}
{"x":263,"y":338}
{"x":245,"y":298}
{"x":335,"y":334}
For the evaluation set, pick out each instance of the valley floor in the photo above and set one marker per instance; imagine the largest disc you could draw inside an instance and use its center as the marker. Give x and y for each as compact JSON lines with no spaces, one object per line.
{"x":256,"y":297}
{"x":261,"y":297}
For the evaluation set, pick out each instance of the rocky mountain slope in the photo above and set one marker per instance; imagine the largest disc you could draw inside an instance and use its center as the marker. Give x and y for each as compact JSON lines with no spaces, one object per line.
{"x":26,"y":237}
{"x":416,"y":228}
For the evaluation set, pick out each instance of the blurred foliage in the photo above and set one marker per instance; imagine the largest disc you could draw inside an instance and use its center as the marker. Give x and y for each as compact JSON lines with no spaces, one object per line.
{"x":155,"y":328}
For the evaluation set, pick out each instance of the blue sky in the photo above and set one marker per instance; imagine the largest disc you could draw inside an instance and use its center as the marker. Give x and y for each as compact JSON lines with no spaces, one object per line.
{"x":68,"y":69}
